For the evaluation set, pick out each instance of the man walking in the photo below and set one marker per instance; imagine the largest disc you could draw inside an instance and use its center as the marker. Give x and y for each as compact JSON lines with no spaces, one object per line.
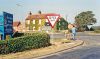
{"x":73,"y":30}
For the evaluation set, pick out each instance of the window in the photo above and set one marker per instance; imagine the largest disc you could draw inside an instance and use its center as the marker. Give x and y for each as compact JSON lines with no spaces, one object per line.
{"x":39,"y":29}
{"x":28,"y":21}
{"x":39,"y":21}
{"x":33,"y":21}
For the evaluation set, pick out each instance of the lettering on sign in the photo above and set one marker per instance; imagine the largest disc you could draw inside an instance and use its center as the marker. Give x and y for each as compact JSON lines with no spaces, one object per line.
{"x":8,"y":23}
{"x":52,"y":20}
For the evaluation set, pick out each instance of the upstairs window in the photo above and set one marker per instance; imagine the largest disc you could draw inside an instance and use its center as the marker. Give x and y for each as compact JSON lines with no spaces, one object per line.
{"x":28,"y":21}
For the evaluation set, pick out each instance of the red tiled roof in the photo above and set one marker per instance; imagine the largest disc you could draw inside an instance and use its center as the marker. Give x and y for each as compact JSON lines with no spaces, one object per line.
{"x":16,"y":24}
{"x":39,"y":16}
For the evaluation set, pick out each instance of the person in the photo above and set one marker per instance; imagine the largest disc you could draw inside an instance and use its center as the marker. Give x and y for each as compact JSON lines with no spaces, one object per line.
{"x":73,"y":30}
{"x":67,"y":34}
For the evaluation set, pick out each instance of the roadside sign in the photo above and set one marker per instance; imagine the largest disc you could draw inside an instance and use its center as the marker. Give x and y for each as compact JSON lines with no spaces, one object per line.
{"x":1,"y":20}
{"x":53,"y":18}
{"x":6,"y":24}
{"x":1,"y":25}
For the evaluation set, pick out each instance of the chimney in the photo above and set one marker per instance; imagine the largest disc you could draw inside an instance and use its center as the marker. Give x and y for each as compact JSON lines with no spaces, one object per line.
{"x":39,"y":12}
{"x":30,"y":13}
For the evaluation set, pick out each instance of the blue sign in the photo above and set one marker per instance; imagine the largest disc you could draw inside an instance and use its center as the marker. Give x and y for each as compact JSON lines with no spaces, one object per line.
{"x":1,"y":20}
{"x":6,"y":24}
{"x":1,"y":29}
{"x":1,"y":24}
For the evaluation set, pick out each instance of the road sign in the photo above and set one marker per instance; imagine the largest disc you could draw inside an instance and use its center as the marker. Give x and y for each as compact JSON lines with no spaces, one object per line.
{"x":53,"y":18}
{"x":1,"y":20}
{"x":6,"y":24}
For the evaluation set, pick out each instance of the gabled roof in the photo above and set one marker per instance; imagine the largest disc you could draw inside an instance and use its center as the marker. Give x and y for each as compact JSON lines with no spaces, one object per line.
{"x":39,"y":16}
{"x":16,"y":24}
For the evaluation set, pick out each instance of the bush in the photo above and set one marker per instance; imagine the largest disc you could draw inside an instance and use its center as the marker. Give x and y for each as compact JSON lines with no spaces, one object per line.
{"x":17,"y":34}
{"x":91,"y":29}
{"x":97,"y":31}
{"x":36,"y":40}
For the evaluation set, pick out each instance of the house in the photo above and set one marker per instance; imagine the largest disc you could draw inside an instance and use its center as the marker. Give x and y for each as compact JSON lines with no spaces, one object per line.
{"x":16,"y":25}
{"x":37,"y":22}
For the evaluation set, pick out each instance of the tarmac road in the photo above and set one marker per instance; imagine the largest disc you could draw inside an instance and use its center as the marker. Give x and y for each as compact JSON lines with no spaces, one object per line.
{"x":89,"y":50}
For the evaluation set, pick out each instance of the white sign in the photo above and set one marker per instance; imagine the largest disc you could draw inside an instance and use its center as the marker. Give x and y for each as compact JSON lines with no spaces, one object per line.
{"x":52,"y":20}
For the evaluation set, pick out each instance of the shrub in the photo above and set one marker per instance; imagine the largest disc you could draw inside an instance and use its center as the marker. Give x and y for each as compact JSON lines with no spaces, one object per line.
{"x":3,"y":47}
{"x":17,"y":34}
{"x":36,"y":40}
{"x":97,"y":31}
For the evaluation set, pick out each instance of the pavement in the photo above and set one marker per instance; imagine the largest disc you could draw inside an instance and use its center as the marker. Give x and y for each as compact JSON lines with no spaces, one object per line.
{"x":61,"y":47}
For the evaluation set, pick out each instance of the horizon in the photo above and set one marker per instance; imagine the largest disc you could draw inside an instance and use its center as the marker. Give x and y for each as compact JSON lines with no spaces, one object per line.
{"x":66,"y":8}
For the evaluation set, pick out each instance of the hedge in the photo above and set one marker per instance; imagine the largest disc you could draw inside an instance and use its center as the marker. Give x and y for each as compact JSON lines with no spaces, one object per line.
{"x":17,"y":34}
{"x":97,"y":31}
{"x":34,"y":41}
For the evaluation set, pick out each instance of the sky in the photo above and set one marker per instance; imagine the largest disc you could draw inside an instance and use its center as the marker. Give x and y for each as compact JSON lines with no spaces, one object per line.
{"x":66,"y":8}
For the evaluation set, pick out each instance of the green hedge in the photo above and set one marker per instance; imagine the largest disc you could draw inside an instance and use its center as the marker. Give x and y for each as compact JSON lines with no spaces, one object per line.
{"x":17,"y":34}
{"x":97,"y":31}
{"x":36,"y":40}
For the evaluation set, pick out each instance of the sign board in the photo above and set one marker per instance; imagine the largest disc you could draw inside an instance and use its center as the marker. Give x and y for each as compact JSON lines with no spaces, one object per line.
{"x":53,"y":18}
{"x":1,"y":20}
{"x":8,"y":23}
{"x":1,"y":24}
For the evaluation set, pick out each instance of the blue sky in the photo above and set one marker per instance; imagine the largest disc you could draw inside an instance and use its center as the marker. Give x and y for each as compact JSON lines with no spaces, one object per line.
{"x":66,"y":8}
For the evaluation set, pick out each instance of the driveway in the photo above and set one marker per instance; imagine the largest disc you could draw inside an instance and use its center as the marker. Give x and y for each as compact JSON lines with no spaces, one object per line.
{"x":90,"y":49}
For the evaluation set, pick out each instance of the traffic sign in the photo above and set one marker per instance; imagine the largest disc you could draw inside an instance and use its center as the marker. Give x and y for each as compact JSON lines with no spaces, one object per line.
{"x":6,"y":24}
{"x":53,"y":18}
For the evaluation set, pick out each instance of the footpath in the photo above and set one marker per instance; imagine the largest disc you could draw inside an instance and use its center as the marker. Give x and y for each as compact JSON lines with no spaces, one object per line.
{"x":37,"y":53}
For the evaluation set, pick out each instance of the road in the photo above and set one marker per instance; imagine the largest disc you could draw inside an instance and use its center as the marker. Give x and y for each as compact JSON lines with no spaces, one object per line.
{"x":89,"y":50}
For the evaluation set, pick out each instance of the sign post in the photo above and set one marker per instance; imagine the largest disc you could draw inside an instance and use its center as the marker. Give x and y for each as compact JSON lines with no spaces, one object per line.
{"x":6,"y":24}
{"x":53,"y":18}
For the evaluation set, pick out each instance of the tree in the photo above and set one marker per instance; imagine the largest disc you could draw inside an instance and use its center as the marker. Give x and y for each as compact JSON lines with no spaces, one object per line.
{"x":84,"y":19}
{"x":62,"y":24}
